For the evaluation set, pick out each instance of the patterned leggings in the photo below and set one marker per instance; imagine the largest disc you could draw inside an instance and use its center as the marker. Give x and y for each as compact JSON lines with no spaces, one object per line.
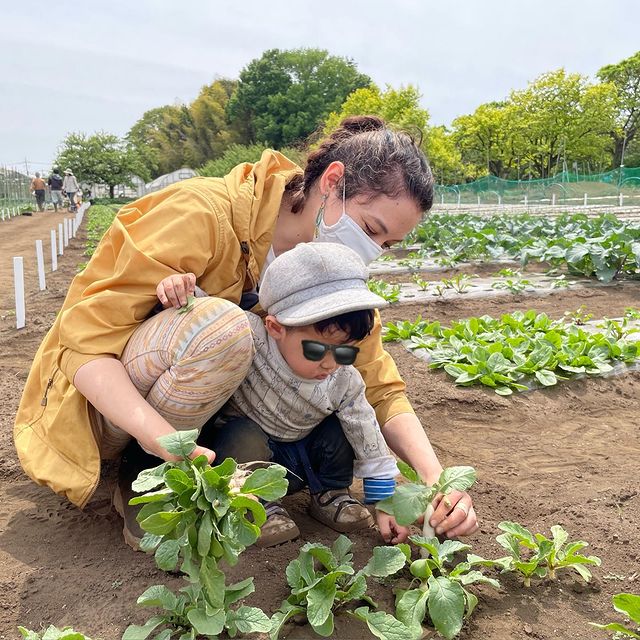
{"x":186,"y":365}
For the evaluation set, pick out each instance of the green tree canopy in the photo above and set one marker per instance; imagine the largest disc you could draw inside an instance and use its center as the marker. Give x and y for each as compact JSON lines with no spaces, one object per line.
{"x":283,"y":96}
{"x":101,"y":158}
{"x":398,"y":107}
{"x":625,"y":75}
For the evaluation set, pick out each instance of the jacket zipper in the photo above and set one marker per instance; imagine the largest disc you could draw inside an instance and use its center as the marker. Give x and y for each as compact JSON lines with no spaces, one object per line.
{"x":43,"y":402}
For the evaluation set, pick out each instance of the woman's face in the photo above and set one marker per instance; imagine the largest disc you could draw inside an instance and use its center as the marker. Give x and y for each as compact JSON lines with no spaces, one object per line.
{"x":385,"y":220}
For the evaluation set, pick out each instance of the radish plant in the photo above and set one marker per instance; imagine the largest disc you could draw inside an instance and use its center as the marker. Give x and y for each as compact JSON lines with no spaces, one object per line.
{"x":196,"y":516}
{"x":390,"y":292}
{"x":629,"y":605}
{"x":439,"y":588}
{"x":323,"y":582}
{"x":534,"y":555}
{"x":411,"y":499}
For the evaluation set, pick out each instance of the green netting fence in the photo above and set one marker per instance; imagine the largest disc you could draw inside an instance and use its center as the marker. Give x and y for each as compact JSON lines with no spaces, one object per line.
{"x":617,"y":187}
{"x":14,"y":189}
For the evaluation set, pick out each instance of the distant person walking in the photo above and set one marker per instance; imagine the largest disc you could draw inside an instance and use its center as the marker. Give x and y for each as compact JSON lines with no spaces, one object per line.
{"x":38,"y":188}
{"x":55,"y":184}
{"x":69,"y":188}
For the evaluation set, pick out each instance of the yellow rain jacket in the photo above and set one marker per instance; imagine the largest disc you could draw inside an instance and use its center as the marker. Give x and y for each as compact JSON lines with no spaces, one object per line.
{"x":218,"y":228}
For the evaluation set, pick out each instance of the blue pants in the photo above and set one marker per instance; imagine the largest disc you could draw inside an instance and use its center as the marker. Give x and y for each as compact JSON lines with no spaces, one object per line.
{"x":322,"y":460}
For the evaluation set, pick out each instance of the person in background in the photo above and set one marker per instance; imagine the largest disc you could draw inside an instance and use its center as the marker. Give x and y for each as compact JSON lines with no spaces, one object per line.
{"x":55,"y":184}
{"x":38,"y":188}
{"x":69,"y":188}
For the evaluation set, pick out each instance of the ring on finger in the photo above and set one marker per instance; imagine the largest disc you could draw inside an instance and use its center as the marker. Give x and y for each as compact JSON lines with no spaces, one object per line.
{"x":463,"y":507}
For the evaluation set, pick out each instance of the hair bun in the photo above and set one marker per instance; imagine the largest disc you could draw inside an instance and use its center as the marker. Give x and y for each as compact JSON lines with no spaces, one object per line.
{"x":360,"y":124}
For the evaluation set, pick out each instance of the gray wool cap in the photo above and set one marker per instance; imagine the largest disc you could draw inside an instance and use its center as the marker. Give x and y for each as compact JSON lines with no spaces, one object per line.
{"x":315,"y":281}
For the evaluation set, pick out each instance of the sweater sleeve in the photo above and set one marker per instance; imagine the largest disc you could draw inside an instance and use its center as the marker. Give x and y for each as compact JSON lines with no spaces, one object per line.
{"x":372,"y":456}
{"x":172,"y":231}
{"x":384,"y":386}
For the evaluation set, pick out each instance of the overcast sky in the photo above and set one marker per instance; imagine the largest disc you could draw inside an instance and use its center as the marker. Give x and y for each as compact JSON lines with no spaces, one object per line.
{"x":78,"y":65}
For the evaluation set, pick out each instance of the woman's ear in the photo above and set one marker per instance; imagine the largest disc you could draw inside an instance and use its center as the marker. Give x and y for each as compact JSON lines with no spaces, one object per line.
{"x":331,"y":176}
{"x":274,"y":328}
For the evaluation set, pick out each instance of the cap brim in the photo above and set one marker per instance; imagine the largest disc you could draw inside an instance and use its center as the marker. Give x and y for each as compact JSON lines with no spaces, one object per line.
{"x":330,"y":305}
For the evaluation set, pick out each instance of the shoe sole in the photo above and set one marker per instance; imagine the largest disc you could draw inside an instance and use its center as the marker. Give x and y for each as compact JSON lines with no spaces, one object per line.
{"x":132,"y":540}
{"x":278,"y":538}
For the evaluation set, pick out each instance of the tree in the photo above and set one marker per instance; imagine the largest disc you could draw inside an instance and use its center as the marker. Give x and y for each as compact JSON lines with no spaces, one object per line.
{"x":625,"y":76}
{"x":283,"y":96}
{"x":444,"y":155}
{"x":561,"y":118}
{"x":398,"y":107}
{"x":102,"y":158}
{"x":484,"y":139}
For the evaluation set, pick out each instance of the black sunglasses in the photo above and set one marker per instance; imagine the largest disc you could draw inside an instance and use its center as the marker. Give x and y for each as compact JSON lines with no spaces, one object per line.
{"x":342,"y":354}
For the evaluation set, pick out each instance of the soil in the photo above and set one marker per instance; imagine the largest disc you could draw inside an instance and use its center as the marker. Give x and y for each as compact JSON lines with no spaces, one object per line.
{"x":566,"y":455}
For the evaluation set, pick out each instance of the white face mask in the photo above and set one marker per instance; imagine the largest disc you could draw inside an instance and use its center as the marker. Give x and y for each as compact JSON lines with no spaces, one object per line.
{"x":347,"y":232}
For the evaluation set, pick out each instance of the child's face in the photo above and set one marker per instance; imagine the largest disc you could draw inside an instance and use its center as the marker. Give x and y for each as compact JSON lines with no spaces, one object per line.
{"x":289,"y":341}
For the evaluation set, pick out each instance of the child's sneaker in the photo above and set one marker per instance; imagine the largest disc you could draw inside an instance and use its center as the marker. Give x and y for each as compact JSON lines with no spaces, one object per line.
{"x":278,"y":528}
{"x":338,"y":510}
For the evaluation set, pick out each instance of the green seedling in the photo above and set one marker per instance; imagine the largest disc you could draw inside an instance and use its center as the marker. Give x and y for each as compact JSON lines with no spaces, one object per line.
{"x":423,"y":285}
{"x":507,"y":272}
{"x":628,"y":605}
{"x":196,"y":516}
{"x":412,"y":263}
{"x":390,"y":292}
{"x":459,"y":283}
{"x":53,"y":633}
{"x":514,"y":286}
{"x":631,"y":314}
{"x":323,"y":582}
{"x":412,"y":498}
{"x":187,"y":307}
{"x":405,"y":330}
{"x":560,"y":282}
{"x":439,"y":589}
{"x":439,"y":290}
{"x":534,"y":555}
{"x":579,"y":316}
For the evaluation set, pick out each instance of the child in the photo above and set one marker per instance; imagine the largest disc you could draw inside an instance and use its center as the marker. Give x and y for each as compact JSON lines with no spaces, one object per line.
{"x":303,"y":404}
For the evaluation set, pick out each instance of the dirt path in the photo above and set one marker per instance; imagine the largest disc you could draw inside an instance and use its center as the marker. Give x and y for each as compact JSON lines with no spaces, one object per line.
{"x":566,"y":455}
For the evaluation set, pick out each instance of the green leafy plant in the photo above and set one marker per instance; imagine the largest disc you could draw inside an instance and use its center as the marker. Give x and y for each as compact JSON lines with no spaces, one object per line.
{"x":561,"y":282}
{"x":405,"y":330}
{"x":390,"y":292}
{"x":53,"y":633}
{"x":411,"y":499}
{"x":535,"y":555}
{"x":323,"y":582}
{"x":579,"y":316}
{"x":513,"y":285}
{"x":459,"y":283}
{"x":196,"y":516}
{"x":507,"y":272}
{"x":413,"y":263}
{"x":502,"y":353}
{"x":629,"y":605}
{"x":631,"y":314}
{"x":423,"y":285}
{"x":439,"y":290}
{"x":439,"y":589}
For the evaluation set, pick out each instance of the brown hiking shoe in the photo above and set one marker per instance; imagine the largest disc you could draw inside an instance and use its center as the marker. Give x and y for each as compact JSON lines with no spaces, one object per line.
{"x":339,"y":511}
{"x":133,"y":461}
{"x":278,"y":528}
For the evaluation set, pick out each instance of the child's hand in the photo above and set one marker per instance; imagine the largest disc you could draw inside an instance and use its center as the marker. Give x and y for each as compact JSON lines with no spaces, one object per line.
{"x":173,"y":290}
{"x":391,"y":531}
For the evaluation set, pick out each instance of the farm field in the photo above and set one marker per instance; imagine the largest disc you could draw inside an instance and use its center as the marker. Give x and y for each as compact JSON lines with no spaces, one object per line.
{"x":563,"y":455}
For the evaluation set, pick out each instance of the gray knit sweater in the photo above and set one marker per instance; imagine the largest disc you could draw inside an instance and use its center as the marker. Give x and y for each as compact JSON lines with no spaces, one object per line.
{"x":288,"y":407}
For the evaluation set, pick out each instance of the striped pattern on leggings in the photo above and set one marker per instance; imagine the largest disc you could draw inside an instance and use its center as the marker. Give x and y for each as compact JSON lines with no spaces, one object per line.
{"x":186,"y":365}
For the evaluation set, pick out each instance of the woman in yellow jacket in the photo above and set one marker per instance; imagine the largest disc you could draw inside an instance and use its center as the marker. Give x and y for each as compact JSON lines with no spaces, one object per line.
{"x":90,"y":376}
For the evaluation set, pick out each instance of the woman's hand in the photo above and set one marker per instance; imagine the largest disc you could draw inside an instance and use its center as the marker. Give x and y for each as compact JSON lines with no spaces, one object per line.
{"x":454,"y":515}
{"x":173,"y":290}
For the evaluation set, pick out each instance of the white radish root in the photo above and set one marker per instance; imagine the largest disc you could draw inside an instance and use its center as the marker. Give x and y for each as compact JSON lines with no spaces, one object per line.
{"x":427,"y":530}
